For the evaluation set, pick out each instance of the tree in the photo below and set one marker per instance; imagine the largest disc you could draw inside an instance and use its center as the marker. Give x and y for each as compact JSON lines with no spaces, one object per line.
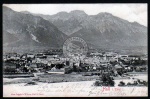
{"x":107,"y":80}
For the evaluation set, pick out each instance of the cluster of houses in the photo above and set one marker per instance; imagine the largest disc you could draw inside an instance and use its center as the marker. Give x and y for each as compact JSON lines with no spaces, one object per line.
{"x":55,"y":63}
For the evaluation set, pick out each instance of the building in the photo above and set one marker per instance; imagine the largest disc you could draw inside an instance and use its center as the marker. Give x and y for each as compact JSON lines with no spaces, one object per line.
{"x":41,"y":55}
{"x":30,"y":56}
{"x":96,"y":54}
{"x":123,"y":56}
{"x":12,"y":56}
{"x":56,"y":71}
{"x":118,"y":68}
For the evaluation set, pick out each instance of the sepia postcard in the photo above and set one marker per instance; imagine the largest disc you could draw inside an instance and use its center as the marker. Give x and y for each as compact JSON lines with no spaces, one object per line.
{"x":75,"y":50}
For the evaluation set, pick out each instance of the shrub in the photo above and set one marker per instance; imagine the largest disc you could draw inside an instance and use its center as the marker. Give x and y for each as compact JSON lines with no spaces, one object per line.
{"x":96,"y":83}
{"x":121,"y":83}
{"x":128,"y":83}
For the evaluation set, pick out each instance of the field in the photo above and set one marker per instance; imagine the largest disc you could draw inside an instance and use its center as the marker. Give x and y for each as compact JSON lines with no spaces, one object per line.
{"x":73,"y":77}
{"x":69,"y":85}
{"x":71,"y":89}
{"x":51,"y":78}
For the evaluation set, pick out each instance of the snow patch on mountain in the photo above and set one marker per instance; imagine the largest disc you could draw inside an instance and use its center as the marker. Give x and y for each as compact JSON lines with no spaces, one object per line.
{"x":34,"y":38}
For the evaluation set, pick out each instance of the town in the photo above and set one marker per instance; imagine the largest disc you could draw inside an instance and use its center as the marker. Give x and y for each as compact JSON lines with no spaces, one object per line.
{"x":53,"y":65}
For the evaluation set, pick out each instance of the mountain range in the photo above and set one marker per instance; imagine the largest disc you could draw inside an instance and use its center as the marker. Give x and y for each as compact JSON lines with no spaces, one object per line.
{"x":26,"y":30}
{"x":103,"y":30}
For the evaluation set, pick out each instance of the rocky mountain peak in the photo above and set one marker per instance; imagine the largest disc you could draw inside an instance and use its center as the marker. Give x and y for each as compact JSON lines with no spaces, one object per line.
{"x":62,"y":13}
{"x":76,"y":12}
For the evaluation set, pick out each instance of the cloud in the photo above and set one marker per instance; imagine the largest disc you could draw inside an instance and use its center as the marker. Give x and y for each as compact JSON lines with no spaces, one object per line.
{"x":130,"y":12}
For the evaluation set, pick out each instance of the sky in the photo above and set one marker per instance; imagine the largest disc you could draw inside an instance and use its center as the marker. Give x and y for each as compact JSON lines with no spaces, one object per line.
{"x":131,"y":12}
